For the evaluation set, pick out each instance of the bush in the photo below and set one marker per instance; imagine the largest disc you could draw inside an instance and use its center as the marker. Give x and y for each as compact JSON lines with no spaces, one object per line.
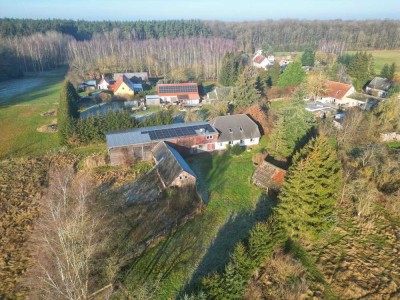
{"x":237,"y":149}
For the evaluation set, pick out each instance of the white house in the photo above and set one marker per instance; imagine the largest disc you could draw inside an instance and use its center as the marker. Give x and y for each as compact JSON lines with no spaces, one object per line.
{"x":104,"y":83}
{"x":235,"y":129}
{"x":261,"y":61}
{"x":338,"y":93}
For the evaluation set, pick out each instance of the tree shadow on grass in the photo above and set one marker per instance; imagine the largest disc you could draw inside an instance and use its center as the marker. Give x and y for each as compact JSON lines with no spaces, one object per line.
{"x":236,"y":228}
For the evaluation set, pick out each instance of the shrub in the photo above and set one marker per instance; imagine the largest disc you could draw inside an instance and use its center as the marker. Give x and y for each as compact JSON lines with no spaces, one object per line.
{"x":237,"y":149}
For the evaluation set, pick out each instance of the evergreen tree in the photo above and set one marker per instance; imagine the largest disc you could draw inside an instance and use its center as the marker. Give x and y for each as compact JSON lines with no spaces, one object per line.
{"x":361,"y":69}
{"x":227,"y":69}
{"x":292,"y":76}
{"x":247,"y":92}
{"x":67,"y":111}
{"x":385,"y":72}
{"x":308,"y":57}
{"x":392,"y":71}
{"x":273,"y":75}
{"x":309,"y":193}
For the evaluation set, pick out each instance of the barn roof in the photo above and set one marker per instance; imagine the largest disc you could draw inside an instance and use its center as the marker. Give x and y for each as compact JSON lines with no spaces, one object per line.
{"x":235,"y":127}
{"x":157,"y":133}
{"x":268,"y":175}
{"x":169,"y":163}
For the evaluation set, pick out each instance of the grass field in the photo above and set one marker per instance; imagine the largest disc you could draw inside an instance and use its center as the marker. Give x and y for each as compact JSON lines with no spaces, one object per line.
{"x":203,"y":245}
{"x":20,"y":116}
{"x":382,"y":57}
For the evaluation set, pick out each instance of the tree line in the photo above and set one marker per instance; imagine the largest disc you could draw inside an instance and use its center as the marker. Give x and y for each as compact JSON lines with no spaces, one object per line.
{"x":282,"y":35}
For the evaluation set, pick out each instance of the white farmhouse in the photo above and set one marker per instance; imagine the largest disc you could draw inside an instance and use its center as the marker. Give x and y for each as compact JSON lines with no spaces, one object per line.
{"x":261,"y":61}
{"x":235,"y":129}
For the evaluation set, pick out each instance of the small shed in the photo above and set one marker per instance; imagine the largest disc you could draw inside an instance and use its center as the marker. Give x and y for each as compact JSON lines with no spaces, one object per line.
{"x":153,"y":100}
{"x":268,"y":176}
{"x":172,"y":169}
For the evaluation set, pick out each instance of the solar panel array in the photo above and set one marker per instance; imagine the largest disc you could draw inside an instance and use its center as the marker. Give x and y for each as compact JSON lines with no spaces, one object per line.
{"x":161,"y":134}
{"x":172,"y":89}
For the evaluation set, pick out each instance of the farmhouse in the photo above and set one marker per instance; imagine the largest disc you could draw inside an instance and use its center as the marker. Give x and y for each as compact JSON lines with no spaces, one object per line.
{"x":338,"y":93}
{"x":379,"y":87}
{"x":172,"y":169}
{"x":236,"y":129}
{"x":268,"y":176}
{"x":261,"y":61}
{"x":182,"y":93}
{"x":125,"y":147}
{"x":137,"y":77}
{"x":123,"y":87}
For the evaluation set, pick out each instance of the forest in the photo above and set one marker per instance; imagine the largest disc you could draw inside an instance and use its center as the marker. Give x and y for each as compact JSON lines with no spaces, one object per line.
{"x":159,"y":46}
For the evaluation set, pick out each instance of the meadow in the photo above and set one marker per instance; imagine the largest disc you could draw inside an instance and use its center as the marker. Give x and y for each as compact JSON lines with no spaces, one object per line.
{"x":382,"y":57}
{"x":21,"y":107}
{"x":203,"y":245}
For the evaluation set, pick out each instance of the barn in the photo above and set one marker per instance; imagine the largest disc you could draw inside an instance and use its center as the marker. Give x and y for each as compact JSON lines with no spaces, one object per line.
{"x":126,"y":147}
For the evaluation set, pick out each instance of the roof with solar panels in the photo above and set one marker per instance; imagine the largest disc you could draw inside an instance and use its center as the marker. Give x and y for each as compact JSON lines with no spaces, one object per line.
{"x":177,"y":89}
{"x":158,"y":133}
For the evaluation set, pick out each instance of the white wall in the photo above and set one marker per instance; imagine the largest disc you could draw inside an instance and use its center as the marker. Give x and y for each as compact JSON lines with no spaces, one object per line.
{"x":246,"y":142}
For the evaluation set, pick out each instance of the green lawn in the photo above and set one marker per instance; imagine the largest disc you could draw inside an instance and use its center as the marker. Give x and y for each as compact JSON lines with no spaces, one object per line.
{"x":20,"y":116}
{"x":203,"y":245}
{"x":382,"y":57}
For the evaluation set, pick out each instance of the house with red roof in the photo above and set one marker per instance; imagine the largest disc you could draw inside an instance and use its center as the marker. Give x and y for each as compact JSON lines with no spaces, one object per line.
{"x":123,"y":87}
{"x":338,"y":93}
{"x":180,"y":93}
{"x":268,"y":176}
{"x":261,"y":61}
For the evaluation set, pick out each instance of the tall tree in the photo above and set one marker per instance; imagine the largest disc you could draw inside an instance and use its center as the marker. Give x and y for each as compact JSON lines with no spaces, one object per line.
{"x":67,"y":111}
{"x":292,"y":76}
{"x":247,"y":92}
{"x":273,"y":74}
{"x":308,"y":57}
{"x":361,"y":69}
{"x":309,"y":194}
{"x":385,"y":72}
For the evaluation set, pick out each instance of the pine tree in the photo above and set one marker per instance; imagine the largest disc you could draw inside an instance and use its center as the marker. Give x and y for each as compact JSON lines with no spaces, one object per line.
{"x":227,"y":70}
{"x":292,"y":76}
{"x":392,"y":71}
{"x":273,"y":75}
{"x":247,"y":93}
{"x":308,"y":195}
{"x":385,"y":71}
{"x":308,"y":57}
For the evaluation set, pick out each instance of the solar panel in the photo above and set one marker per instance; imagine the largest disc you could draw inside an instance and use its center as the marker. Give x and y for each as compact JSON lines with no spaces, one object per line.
{"x":172,"y":89}
{"x":160,"y":134}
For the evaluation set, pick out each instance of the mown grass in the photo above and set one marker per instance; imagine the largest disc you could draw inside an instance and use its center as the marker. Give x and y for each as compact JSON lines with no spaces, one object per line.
{"x":382,"y":57}
{"x":203,"y":245}
{"x":20,"y":116}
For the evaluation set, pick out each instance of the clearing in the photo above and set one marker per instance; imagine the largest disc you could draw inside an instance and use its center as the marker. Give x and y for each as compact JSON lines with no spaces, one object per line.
{"x":382,"y":57}
{"x":22,"y":101}
{"x":203,"y":245}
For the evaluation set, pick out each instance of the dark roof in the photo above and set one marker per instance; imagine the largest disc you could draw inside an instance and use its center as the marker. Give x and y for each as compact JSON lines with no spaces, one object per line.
{"x":157,"y":133}
{"x":134,"y":77}
{"x":235,"y":127}
{"x":379,"y":83}
{"x":177,"y":89}
{"x":268,"y":175}
{"x":169,"y":163}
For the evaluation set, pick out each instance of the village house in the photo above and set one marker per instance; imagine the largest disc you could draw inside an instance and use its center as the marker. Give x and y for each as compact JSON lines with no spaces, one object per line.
{"x":136,"y":77}
{"x":172,"y":169}
{"x":261,"y":61}
{"x":235,"y":129}
{"x":179,"y":93}
{"x":123,"y":87}
{"x":379,"y":87}
{"x":268,"y":176}
{"x":125,"y":147}
{"x":104,"y":83}
{"x":338,"y":93}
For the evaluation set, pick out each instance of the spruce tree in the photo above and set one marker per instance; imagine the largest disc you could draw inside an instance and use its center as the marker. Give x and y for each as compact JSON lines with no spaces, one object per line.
{"x":308,"y":57}
{"x":292,"y":76}
{"x":309,"y":193}
{"x":67,"y":111}
{"x":247,"y":93}
{"x":273,"y":75}
{"x":385,"y":71}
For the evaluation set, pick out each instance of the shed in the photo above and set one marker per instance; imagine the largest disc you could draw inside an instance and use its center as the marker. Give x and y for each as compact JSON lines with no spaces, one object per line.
{"x":268,"y":176}
{"x":172,"y":169}
{"x":153,"y":100}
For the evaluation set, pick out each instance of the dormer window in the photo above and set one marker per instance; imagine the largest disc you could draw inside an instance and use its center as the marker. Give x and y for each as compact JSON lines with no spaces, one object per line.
{"x":241,"y":129}
{"x":230,"y":130}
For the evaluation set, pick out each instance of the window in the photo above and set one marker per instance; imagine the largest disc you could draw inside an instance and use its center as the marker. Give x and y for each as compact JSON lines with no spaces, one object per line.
{"x":185,"y":177}
{"x":180,"y":177}
{"x":201,"y":146}
{"x":220,"y":144}
{"x":230,"y":142}
{"x":241,"y":129}
{"x":251,"y":140}
{"x":209,"y":137}
{"x":242,"y":141}
{"x":230,"y":130}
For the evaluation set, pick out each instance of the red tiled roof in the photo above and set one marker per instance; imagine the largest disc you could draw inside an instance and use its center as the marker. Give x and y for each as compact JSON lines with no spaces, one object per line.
{"x":118,"y":83}
{"x":337,"y":90}
{"x":258,"y":59}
